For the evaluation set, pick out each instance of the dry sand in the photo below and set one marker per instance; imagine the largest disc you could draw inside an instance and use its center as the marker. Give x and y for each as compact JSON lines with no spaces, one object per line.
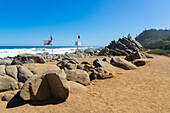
{"x":144,"y":90}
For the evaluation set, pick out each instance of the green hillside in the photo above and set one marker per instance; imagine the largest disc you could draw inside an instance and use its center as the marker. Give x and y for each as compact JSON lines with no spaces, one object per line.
{"x":154,"y":39}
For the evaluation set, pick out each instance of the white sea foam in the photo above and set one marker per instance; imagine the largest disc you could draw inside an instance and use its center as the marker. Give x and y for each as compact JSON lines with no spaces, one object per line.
{"x":14,"y":52}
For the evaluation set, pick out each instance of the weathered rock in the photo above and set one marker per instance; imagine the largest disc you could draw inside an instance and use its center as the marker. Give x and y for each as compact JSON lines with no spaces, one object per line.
{"x":133,"y":56}
{"x":27,"y":58}
{"x":20,"y":85}
{"x":89,"y":51}
{"x":5,"y":61}
{"x":2,"y":70}
{"x":138,"y":45}
{"x":12,"y":71}
{"x":79,"y":67}
{"x":71,"y":66}
{"x":7,"y":97}
{"x":24,"y":73}
{"x":114,"y":52}
{"x":7,"y":83}
{"x":128,"y":51}
{"x":36,"y":88}
{"x":76,"y":88}
{"x":51,"y":84}
{"x":96,"y":63}
{"x":126,"y":42}
{"x":105,"y":66}
{"x":58,"y":84}
{"x":36,"y":68}
{"x":79,"y":76}
{"x":119,"y":62}
{"x":123,"y":52}
{"x":140,"y":62}
{"x":121,"y":46}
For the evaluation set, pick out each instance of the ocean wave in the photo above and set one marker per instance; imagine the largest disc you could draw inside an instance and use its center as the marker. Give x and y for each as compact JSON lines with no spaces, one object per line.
{"x":15,"y":52}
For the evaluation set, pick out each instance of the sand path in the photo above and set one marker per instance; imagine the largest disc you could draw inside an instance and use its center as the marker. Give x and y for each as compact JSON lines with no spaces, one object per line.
{"x":144,"y":90}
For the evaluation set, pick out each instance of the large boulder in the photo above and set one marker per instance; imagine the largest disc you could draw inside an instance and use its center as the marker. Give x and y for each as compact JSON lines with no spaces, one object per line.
{"x":50,"y":84}
{"x":24,"y":73}
{"x":36,"y":68}
{"x":119,"y":62}
{"x":79,"y":76}
{"x":140,"y":62}
{"x":76,"y":88}
{"x":58,"y":83}
{"x":12,"y":71}
{"x":7,"y":83}
{"x":35,"y":88}
{"x":2,"y":70}
{"x":27,"y":58}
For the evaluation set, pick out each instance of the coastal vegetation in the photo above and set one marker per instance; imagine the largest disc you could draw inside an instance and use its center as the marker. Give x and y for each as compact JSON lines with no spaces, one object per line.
{"x":155,"y":39}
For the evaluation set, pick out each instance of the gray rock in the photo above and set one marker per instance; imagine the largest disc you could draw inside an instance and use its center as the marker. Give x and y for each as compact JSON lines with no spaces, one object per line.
{"x":133,"y":56}
{"x":79,"y":76}
{"x":79,"y":67}
{"x":119,"y":62}
{"x":12,"y":71}
{"x":126,"y":42}
{"x":27,"y":58}
{"x":123,"y":52}
{"x":7,"y":83}
{"x":5,"y":61}
{"x":71,"y":66}
{"x":140,"y":62}
{"x":24,"y":73}
{"x":121,"y":46}
{"x":58,"y":84}
{"x":138,"y":45}
{"x":36,"y":88}
{"x":51,"y":84}
{"x":129,"y":51}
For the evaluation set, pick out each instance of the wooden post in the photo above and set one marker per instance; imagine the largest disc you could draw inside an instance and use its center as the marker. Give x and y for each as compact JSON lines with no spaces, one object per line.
{"x":52,"y":49}
{"x":44,"y":51}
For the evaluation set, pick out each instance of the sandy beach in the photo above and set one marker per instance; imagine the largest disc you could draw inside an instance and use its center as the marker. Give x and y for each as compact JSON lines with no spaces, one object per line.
{"x":144,"y":90}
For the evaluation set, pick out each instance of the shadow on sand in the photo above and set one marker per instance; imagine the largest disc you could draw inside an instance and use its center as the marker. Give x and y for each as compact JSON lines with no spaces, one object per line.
{"x":16,"y":101}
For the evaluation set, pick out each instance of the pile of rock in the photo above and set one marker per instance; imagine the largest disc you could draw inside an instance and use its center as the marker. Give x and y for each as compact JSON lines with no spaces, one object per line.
{"x":53,"y":83}
{"x":96,"y":69}
{"x":27,"y":58}
{"x":12,"y":76}
{"x":123,"y":46}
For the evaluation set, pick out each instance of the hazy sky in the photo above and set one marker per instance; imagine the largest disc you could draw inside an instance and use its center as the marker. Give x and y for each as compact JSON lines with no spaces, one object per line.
{"x":29,"y":22}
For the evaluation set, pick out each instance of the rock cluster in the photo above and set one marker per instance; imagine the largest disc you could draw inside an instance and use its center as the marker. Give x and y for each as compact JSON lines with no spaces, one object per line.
{"x":12,"y":75}
{"x":123,"y":46}
{"x":27,"y":58}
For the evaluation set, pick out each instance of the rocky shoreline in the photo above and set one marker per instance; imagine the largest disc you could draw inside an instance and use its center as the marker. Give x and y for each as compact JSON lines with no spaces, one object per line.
{"x":28,"y":76}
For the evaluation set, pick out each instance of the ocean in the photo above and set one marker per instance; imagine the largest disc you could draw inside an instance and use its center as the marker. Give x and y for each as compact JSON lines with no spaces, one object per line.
{"x":11,"y":51}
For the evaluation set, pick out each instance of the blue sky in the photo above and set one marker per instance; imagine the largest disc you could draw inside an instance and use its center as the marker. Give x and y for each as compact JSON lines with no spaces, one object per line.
{"x":29,"y":22}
